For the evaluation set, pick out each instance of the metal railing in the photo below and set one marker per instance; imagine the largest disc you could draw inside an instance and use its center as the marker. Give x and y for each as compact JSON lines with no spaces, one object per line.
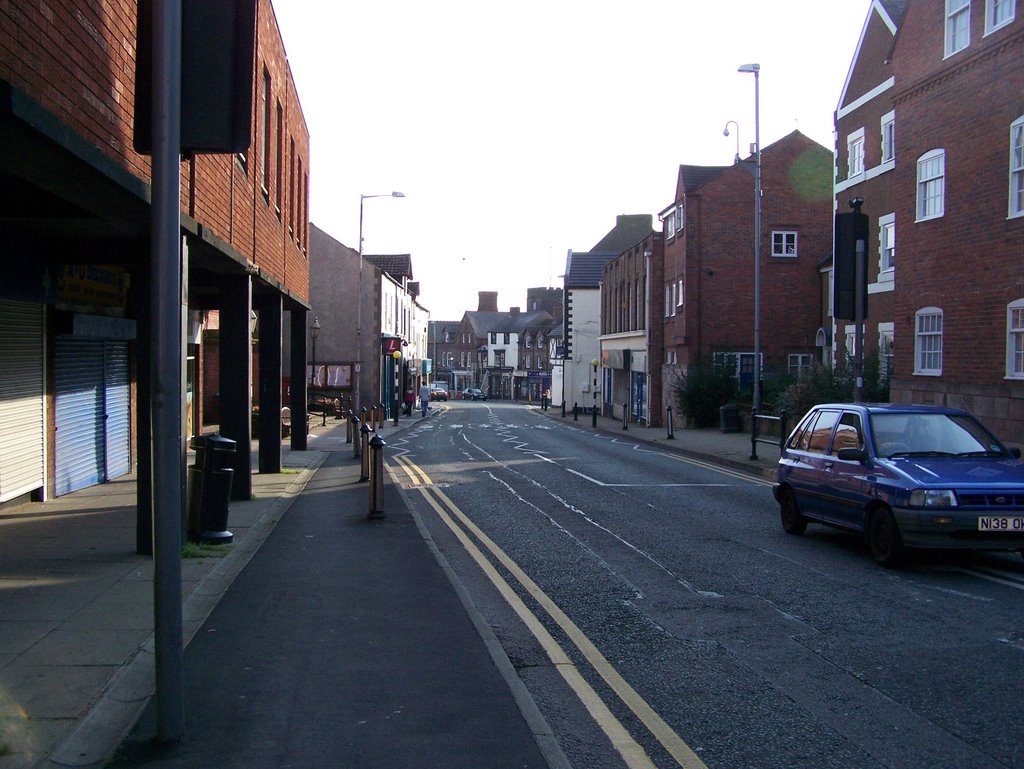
{"x":775,"y":424}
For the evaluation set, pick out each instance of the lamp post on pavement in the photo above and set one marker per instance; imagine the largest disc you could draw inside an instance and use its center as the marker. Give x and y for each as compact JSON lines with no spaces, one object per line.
{"x":359,"y":295}
{"x":756,"y":70}
{"x":314,"y":332}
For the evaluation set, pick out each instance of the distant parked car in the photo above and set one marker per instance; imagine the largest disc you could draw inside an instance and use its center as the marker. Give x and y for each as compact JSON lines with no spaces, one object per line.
{"x":904,"y":476}
{"x":438,"y":391}
{"x":474,"y":394}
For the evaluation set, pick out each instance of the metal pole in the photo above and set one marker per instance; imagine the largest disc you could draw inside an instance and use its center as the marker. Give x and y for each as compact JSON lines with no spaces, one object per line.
{"x":364,"y":467}
{"x":671,"y":429}
{"x":757,"y":241}
{"x":858,"y":313}
{"x":376,"y":495}
{"x":167,"y":372}
{"x":625,"y":415}
{"x":358,"y":374}
{"x":356,"y":436}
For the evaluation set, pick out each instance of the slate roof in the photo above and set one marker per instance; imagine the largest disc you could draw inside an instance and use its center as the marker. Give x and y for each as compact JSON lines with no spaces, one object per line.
{"x":583,"y":268}
{"x":398,"y":266}
{"x":895,"y":9}
{"x":695,"y":177}
{"x":484,"y":323}
{"x":629,"y":230}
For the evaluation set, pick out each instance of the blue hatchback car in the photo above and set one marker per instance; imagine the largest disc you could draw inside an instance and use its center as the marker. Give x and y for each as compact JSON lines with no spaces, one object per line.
{"x":904,"y":476}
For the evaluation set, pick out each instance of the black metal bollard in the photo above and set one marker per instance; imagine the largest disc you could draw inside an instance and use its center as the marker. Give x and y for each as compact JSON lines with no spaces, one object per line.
{"x":563,"y":408}
{"x":625,"y":416}
{"x":753,"y":433}
{"x":348,"y":427}
{"x":376,"y":496}
{"x":364,"y":468}
{"x":366,"y":419}
{"x":593,"y":415}
{"x":354,"y":436}
{"x":671,"y":429}
{"x":397,"y":407}
{"x":575,"y":412}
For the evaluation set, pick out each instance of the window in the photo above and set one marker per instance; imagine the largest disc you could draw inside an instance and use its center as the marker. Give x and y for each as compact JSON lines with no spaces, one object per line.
{"x":1015,"y":340}
{"x":265,"y":106}
{"x":668,"y":301}
{"x":291,"y":187}
{"x":529,"y":361}
{"x":887,"y":242}
{"x":889,"y":137}
{"x":931,"y":190}
{"x":507,"y":339}
{"x":798,"y":362}
{"x":848,"y":433}
{"x":499,"y":359}
{"x":958,"y":25}
{"x":855,"y":154}
{"x":280,"y":158}
{"x":818,"y":437}
{"x":928,"y":342}
{"x":886,"y":351}
{"x":998,"y":13}
{"x":679,"y":289}
{"x":494,"y":337}
{"x":1017,"y":167}
{"x":783,"y":243}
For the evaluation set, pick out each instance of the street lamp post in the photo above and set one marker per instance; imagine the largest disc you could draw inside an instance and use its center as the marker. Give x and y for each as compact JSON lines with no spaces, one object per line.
{"x":397,"y":356}
{"x":756,"y":69}
{"x":314,"y":332}
{"x":359,"y":297}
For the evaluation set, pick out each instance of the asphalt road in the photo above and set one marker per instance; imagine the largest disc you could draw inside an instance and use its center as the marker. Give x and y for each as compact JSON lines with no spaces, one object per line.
{"x":660,"y":617}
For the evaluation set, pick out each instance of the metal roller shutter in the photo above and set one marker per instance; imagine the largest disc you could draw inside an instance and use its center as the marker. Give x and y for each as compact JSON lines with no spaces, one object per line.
{"x":22,"y":453}
{"x":118,"y":410}
{"x":81,"y":452}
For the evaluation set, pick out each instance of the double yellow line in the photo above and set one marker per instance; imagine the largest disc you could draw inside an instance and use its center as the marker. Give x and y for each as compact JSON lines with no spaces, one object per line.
{"x":631,"y":751}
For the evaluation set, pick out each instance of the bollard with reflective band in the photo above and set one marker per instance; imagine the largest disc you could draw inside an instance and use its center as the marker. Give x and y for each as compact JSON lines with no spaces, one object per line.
{"x":671,"y":429}
{"x":354,"y":432}
{"x":376,"y":496}
{"x":364,"y":468}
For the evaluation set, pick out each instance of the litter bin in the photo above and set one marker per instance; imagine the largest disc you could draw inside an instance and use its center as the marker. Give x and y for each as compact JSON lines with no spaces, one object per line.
{"x":730,"y":418}
{"x":209,"y":489}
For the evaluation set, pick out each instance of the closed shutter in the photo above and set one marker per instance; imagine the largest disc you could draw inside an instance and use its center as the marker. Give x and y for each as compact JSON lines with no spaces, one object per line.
{"x":117,"y":404}
{"x":22,"y":463}
{"x":81,"y":453}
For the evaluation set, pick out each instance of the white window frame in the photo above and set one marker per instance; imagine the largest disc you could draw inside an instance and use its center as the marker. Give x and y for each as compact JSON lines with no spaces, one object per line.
{"x":931,"y":185}
{"x":855,"y":154}
{"x":798,"y":361}
{"x":1016,"y":201}
{"x":993,"y":9}
{"x":1015,"y":339}
{"x":886,"y":245}
{"x":679,"y":295}
{"x":958,"y":26}
{"x":786,"y":237}
{"x":928,"y":342}
{"x":668,"y":300}
{"x":886,"y":349}
{"x":888,"y":143}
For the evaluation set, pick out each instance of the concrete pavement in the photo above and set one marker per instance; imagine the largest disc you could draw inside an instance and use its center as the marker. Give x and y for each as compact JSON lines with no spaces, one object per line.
{"x":76,"y":650}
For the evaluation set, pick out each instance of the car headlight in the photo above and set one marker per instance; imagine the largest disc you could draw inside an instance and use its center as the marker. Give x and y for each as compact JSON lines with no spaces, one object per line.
{"x":933,"y":498}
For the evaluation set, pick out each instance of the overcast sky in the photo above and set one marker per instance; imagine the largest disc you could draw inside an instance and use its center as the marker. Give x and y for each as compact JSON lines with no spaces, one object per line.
{"x":520,"y":130}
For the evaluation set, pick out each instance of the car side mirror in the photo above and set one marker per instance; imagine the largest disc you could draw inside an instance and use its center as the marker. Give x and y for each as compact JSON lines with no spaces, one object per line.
{"x":852,"y":455}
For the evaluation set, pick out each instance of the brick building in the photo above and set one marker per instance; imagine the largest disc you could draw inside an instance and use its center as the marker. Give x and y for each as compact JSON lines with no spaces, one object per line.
{"x":75,"y":298}
{"x":708,"y":284}
{"x":632,"y":346}
{"x":865,"y":122}
{"x":959,"y":192}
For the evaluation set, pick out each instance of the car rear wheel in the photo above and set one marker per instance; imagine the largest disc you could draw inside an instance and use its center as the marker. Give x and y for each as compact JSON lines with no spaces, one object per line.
{"x":884,"y":539}
{"x":793,"y":521}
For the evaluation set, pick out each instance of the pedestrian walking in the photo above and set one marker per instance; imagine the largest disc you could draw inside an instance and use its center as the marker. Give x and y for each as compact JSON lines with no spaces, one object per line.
{"x":424,"y":399}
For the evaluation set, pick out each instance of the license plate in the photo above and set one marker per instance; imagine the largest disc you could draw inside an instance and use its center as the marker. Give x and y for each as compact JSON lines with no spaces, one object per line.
{"x":1000,"y":523}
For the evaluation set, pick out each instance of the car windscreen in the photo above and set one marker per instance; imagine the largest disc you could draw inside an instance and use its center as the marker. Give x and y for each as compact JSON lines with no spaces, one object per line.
{"x":923,"y":434}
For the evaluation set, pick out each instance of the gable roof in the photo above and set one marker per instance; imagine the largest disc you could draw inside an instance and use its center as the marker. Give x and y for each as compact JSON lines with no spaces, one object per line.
{"x":398,"y":266}
{"x":583,"y":269}
{"x":890,"y":12}
{"x":484,"y":323}
{"x":629,"y":230}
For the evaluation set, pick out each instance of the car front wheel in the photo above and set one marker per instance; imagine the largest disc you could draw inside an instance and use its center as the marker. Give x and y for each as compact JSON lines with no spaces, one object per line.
{"x":793,"y":521}
{"x":884,"y":540}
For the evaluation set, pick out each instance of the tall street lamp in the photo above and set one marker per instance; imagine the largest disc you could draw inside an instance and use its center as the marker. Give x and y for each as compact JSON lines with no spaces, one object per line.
{"x":756,"y":69}
{"x":359,"y":299}
{"x":314,"y":332}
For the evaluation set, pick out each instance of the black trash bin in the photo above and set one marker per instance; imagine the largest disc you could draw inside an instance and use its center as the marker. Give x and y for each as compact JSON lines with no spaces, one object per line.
{"x":209,"y":489}
{"x":730,"y":418}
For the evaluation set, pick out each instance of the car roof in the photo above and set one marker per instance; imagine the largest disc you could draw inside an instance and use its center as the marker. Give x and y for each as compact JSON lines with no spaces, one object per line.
{"x":892,"y":408}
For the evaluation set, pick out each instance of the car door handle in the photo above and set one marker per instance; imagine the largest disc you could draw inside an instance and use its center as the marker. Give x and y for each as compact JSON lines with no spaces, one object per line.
{"x":828,"y":465}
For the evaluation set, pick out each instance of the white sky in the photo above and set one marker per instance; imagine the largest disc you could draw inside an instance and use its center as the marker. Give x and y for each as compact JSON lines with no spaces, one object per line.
{"x":520,"y":130}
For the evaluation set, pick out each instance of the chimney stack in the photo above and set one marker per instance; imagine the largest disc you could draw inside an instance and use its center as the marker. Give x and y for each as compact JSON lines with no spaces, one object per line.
{"x":488,"y":301}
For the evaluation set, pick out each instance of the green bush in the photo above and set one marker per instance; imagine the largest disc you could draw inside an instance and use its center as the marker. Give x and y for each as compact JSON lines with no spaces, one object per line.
{"x":822,"y":384}
{"x":702,"y":391}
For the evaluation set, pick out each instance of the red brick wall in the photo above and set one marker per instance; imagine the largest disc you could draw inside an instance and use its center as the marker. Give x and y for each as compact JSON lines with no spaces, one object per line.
{"x":77,"y":59}
{"x":968,"y":261}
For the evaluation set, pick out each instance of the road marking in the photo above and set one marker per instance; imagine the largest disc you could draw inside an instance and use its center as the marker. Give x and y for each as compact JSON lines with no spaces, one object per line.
{"x":631,"y":751}
{"x":1003,"y":578}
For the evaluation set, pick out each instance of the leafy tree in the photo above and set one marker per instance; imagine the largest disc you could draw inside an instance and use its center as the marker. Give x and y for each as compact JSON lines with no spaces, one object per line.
{"x":702,"y":391}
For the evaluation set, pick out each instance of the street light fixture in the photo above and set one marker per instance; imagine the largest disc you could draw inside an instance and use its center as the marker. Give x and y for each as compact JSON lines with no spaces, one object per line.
{"x":756,"y":70}
{"x":314,"y":332}
{"x":359,"y":297}
{"x":725,"y":132}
